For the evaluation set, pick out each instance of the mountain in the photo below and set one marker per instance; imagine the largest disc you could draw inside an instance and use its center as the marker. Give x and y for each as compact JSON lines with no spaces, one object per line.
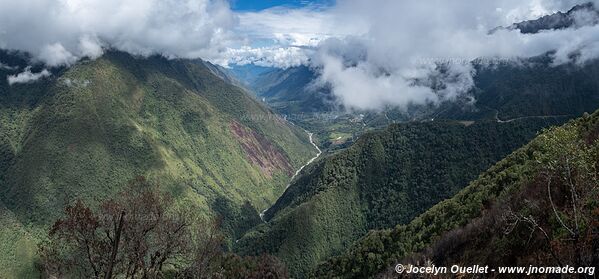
{"x":538,"y":207}
{"x":292,"y":91}
{"x":531,"y":88}
{"x":87,"y":130}
{"x":502,"y":91}
{"x":331,"y":204}
{"x":385,"y":178}
{"x":248,"y":74}
{"x":579,"y":15}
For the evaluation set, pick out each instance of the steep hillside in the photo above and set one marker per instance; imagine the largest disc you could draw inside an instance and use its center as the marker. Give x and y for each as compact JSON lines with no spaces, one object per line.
{"x":385,"y":178}
{"x":87,"y":130}
{"x":536,"y":207}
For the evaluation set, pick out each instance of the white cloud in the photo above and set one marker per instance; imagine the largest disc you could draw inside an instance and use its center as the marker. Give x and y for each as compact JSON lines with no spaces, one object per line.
{"x":299,"y":27}
{"x":56,"y":55}
{"x":370,"y":52}
{"x":280,"y":57}
{"x":27,"y":76}
{"x":290,"y":35}
{"x":74,"y":82}
{"x":58,"y":32}
{"x":385,"y":65}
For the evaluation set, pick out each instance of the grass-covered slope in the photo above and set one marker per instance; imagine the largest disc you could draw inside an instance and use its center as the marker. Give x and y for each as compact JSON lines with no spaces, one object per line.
{"x":87,"y":130}
{"x":385,"y":178}
{"x":506,"y":217}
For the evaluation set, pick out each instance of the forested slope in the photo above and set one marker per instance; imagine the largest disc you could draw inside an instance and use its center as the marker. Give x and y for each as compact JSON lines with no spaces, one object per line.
{"x":87,"y":130}
{"x":385,"y":178}
{"x":538,"y":206}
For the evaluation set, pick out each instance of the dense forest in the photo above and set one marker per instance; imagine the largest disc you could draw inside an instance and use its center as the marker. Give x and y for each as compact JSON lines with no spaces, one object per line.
{"x":538,"y":206}
{"x":292,"y":91}
{"x":384,"y":179}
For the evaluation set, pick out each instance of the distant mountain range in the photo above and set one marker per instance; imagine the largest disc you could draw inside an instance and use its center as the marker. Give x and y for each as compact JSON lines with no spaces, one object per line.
{"x":580,"y":15}
{"x":561,"y":90}
{"x":248,"y":74}
{"x":288,"y":91}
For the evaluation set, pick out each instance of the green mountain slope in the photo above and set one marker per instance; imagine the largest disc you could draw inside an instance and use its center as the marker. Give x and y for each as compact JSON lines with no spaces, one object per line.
{"x":87,"y":130}
{"x":506,"y":217}
{"x":385,"y":178}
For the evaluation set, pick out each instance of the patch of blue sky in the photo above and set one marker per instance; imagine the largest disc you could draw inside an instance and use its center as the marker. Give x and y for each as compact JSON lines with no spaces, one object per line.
{"x":258,"y":5}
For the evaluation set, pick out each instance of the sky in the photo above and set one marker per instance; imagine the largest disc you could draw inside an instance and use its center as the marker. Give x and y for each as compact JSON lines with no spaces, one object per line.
{"x":369,"y":52}
{"x":258,"y":5}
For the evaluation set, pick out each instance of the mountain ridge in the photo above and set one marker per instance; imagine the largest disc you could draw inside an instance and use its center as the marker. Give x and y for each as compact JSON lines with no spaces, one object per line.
{"x":451,"y":230}
{"x":87,"y":130}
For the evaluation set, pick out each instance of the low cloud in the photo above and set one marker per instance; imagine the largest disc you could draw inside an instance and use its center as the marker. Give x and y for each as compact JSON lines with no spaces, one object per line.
{"x":61,"y":32}
{"x":27,"y":76}
{"x":412,"y":45}
{"x":74,"y":82}
{"x":371,"y":54}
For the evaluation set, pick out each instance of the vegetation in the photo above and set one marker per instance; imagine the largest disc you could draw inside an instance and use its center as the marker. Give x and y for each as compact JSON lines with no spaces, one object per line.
{"x":385,"y":178}
{"x":531,"y":88}
{"x":138,"y":235}
{"x":82,"y":133}
{"x":537,"y":206}
{"x":87,"y":130}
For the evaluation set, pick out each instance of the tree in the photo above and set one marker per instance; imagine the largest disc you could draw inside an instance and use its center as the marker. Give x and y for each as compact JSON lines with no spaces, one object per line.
{"x":132,"y":237}
{"x":209,"y":260}
{"x":563,"y":215}
{"x":138,"y":236}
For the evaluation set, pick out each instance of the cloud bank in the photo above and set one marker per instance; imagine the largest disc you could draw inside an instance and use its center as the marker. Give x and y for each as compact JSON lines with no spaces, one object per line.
{"x":372,"y":54}
{"x":410,"y":44}
{"x":283,"y":37}
{"x":59,"y":32}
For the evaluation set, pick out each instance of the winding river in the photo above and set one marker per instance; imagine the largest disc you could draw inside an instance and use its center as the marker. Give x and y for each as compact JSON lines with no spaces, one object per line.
{"x":310,"y":135}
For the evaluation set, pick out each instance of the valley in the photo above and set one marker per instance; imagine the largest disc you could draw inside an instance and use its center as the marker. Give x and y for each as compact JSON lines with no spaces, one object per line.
{"x":171,"y":121}
{"x":298,"y":171}
{"x":203,"y":139}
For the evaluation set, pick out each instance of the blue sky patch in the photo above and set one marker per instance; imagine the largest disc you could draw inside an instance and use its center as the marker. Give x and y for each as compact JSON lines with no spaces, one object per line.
{"x":258,"y":5}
